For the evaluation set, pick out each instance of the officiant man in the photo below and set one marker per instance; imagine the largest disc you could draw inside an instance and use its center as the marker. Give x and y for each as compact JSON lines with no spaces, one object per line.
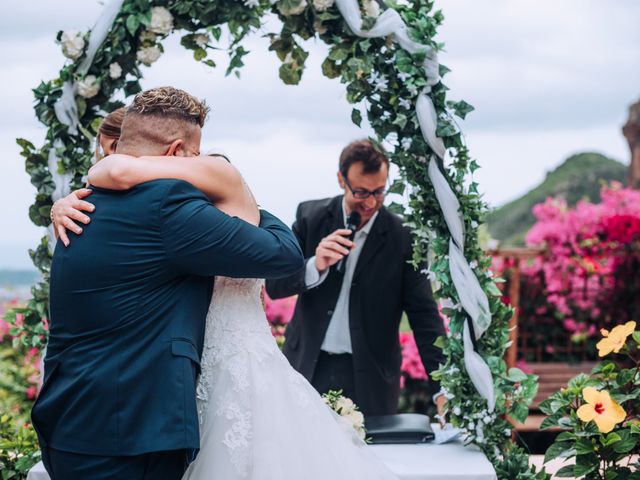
{"x":344,"y":331}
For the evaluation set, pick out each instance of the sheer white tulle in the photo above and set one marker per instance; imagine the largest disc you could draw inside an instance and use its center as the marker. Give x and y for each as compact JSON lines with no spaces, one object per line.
{"x":259,"y":418}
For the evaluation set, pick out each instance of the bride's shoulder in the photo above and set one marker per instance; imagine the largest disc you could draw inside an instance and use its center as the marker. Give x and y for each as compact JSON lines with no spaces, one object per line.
{"x":222,"y":169}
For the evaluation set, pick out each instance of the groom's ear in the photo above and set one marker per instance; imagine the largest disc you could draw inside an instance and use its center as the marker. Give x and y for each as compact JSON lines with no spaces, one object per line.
{"x":176,"y":149}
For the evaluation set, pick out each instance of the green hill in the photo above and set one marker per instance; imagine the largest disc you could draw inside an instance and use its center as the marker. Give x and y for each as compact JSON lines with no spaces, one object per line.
{"x":579,"y":177}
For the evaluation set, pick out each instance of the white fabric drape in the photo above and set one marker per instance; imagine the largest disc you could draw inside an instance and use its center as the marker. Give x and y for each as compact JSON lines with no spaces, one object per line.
{"x":472,"y":297}
{"x":62,"y":182}
{"x":66,"y":109}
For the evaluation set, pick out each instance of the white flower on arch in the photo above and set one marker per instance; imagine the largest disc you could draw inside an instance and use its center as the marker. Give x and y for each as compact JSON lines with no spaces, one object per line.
{"x":73,"y":44}
{"x":149,"y":55}
{"x":161,"y":21}
{"x":88,"y":87}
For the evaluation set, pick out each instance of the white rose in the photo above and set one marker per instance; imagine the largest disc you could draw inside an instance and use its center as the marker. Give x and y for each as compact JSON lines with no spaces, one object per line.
{"x":161,"y":21}
{"x":72,"y":44}
{"x":357,"y":419}
{"x":323,"y":5}
{"x":88,"y":87}
{"x":297,"y":10}
{"x":371,"y":8}
{"x":201,"y":39}
{"x":252,"y":3}
{"x":149,"y":55}
{"x":115,"y":70}
{"x":344,"y":404}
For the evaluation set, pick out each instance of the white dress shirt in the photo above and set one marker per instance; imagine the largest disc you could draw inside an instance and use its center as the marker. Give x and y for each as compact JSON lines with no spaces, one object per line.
{"x":338,"y":337}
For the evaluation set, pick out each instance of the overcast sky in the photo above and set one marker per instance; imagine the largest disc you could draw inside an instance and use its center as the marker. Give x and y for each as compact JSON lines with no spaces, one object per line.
{"x":547,"y":78}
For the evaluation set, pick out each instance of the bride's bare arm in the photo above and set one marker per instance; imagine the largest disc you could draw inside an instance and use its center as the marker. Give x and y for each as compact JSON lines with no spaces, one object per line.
{"x":214,"y":176}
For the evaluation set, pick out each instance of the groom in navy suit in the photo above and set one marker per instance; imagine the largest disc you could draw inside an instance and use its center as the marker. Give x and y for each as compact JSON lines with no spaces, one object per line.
{"x":128,"y":303}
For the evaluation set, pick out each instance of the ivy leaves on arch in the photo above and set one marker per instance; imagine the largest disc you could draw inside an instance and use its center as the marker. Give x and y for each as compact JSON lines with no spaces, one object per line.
{"x":387,"y":59}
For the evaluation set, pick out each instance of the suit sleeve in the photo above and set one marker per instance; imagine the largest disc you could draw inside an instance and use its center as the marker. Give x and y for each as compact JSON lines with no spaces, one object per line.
{"x":202,"y":240}
{"x":425,"y":321}
{"x":293,"y":284}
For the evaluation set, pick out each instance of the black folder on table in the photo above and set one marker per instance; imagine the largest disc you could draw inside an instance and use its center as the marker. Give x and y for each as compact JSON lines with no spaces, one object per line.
{"x":400,"y":428}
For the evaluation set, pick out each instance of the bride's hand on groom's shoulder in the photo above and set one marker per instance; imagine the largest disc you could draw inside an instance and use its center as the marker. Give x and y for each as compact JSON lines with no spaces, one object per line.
{"x":66,"y":211}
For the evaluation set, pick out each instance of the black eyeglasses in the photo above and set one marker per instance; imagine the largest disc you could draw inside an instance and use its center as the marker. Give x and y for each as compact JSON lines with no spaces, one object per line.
{"x":362,"y":193}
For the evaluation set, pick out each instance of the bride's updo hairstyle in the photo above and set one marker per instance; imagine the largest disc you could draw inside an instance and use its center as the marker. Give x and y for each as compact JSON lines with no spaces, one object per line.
{"x":157,"y":118}
{"x":109,"y":132}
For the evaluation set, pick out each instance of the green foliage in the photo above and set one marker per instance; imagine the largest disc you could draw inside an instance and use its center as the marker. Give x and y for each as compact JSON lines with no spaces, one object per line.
{"x":598,"y":455}
{"x":580,"y":176}
{"x":19,"y":450}
{"x":18,"y":382}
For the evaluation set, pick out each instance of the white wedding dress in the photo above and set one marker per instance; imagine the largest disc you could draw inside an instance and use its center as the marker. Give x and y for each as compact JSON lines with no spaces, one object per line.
{"x":259,"y":418}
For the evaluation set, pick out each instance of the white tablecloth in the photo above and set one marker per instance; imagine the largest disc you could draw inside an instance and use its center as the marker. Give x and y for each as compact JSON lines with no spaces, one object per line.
{"x":450,"y":461}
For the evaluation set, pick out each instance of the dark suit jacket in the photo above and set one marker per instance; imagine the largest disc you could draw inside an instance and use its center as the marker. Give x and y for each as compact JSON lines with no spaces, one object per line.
{"x":128,"y":303}
{"x":384,"y":285}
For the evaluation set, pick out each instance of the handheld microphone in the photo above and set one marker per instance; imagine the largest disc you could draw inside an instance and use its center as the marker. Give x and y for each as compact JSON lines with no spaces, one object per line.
{"x":353,"y":222}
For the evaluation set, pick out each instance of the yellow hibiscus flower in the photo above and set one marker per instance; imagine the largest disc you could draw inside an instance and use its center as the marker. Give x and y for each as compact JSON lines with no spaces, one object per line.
{"x":614,"y":341}
{"x":601,"y":408}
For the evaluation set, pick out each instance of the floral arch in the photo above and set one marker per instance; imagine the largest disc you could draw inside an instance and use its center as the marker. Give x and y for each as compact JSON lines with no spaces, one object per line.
{"x":386,"y":57}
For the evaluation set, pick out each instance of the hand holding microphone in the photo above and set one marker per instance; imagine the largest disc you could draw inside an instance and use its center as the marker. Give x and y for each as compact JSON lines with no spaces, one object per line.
{"x":353,"y":222}
{"x":335,"y":246}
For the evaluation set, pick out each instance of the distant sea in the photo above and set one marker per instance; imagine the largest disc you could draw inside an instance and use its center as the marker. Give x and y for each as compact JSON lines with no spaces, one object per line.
{"x":16,"y":284}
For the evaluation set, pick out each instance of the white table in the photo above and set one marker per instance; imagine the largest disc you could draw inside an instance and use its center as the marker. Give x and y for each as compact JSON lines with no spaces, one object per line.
{"x":428,"y":461}
{"x":451,"y":461}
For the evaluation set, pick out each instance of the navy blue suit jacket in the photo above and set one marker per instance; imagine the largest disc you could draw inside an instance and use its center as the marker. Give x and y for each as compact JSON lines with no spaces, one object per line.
{"x":128,"y":303}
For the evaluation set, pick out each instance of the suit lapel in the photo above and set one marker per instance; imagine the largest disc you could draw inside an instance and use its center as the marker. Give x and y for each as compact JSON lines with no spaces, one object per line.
{"x":335,"y":216}
{"x":375,"y":241}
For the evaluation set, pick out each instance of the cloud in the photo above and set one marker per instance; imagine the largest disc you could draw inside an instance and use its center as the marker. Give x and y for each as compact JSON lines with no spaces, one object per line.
{"x":536,"y":65}
{"x":43,"y":18}
{"x":547,"y":78}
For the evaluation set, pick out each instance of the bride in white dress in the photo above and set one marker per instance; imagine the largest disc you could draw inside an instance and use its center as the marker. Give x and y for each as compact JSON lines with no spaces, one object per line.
{"x":259,"y":418}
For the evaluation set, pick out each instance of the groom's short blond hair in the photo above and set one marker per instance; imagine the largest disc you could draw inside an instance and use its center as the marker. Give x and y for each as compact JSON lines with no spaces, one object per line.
{"x":170,"y":102}
{"x":159,"y":116}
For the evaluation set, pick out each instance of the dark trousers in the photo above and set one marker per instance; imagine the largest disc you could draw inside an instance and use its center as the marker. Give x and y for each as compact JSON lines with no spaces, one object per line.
{"x":61,"y":465}
{"x":335,"y":372}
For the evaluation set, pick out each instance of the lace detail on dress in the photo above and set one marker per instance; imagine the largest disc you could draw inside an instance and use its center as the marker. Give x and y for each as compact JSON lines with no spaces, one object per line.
{"x":236,"y":327}
{"x":238,"y":437}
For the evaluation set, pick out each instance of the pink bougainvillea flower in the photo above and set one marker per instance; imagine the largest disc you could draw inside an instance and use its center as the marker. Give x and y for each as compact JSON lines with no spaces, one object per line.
{"x":4,"y":329}
{"x":600,"y":408}
{"x":280,"y":311}
{"x":31,"y":393}
{"x":411,"y":361}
